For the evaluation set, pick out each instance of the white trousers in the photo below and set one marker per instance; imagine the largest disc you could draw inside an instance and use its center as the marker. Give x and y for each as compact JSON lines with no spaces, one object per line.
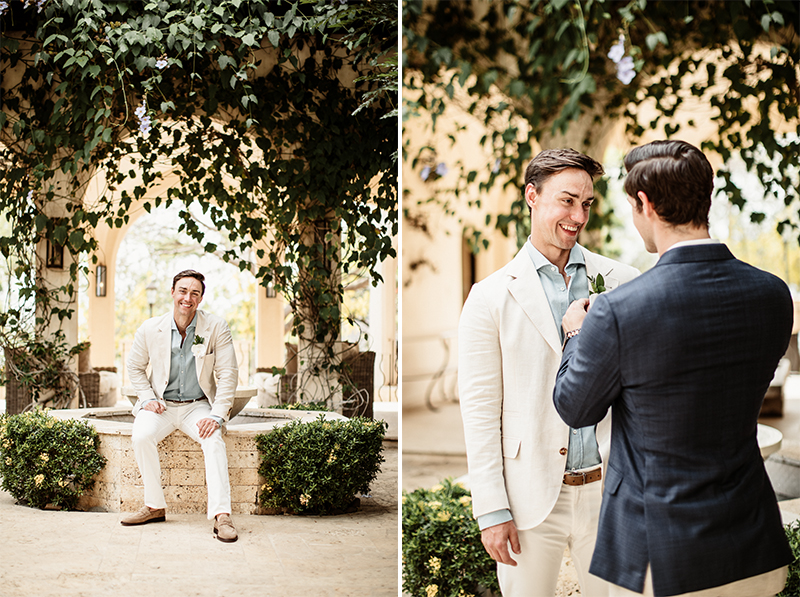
{"x":764,"y":585}
{"x":149,"y":428}
{"x":573,"y":524}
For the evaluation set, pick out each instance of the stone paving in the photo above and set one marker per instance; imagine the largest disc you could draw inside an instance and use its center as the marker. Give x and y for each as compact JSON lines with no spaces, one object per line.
{"x":89,"y":554}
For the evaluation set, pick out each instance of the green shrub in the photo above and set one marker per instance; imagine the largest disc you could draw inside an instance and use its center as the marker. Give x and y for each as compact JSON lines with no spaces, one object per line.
{"x":321,"y":405}
{"x":46,"y":461}
{"x":442,"y":551}
{"x":318,"y":467}
{"x":792,"y":588}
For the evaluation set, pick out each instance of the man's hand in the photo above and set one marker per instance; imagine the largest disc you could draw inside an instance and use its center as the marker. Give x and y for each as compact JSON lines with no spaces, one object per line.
{"x":496,"y":539}
{"x":206,"y":427}
{"x":154,"y":406}
{"x":576,"y":313}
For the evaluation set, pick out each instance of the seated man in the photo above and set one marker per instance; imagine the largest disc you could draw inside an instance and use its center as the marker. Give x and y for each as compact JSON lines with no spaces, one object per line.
{"x":186,"y":350}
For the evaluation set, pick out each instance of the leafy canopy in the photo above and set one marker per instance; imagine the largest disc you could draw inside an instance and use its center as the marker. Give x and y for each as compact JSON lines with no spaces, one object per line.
{"x":549,"y":59}
{"x":272,"y":117}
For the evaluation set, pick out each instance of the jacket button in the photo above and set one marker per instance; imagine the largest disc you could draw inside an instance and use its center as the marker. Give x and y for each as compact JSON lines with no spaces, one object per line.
{"x":563,"y":451}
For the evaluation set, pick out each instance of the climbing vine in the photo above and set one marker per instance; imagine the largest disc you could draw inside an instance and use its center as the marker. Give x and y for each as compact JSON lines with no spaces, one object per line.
{"x":536,"y":70}
{"x":274,"y":116}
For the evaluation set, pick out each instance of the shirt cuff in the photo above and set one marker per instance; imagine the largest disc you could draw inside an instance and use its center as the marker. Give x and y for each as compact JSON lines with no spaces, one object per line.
{"x":217,"y":419}
{"x":494,"y":518}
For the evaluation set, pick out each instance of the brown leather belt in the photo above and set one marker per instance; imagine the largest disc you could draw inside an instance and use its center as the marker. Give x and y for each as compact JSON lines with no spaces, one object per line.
{"x":184,"y":401}
{"x":572,"y":478}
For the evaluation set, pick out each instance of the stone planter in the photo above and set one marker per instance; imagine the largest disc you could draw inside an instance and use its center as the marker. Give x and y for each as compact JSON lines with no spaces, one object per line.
{"x":119,"y":488}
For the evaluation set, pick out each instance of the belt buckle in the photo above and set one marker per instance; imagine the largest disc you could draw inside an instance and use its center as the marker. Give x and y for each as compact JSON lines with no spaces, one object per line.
{"x":574,"y":474}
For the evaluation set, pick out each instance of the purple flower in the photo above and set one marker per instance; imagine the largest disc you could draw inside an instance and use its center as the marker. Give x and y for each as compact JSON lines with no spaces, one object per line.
{"x":617,"y":50}
{"x":625,"y":71}
{"x":441,"y":169}
{"x":3,"y":7}
{"x":426,"y":172}
{"x":145,"y":123}
{"x":496,"y":167}
{"x":161,"y":64}
{"x":30,"y":195}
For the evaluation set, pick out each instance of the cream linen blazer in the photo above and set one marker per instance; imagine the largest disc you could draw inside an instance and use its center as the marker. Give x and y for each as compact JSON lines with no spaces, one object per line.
{"x":509,"y":352}
{"x":215,"y":361}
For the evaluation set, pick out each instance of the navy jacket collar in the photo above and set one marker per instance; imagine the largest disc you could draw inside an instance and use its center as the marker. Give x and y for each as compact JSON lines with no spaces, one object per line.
{"x":693,"y":253}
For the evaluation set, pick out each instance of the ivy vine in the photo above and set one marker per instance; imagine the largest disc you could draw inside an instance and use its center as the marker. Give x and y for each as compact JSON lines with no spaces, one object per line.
{"x":276,"y":117}
{"x":560,"y":64}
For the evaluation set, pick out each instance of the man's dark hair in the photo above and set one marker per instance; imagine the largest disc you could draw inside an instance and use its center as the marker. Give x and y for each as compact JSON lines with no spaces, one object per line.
{"x":552,"y":161}
{"x":190,"y":273}
{"x":677,"y":179}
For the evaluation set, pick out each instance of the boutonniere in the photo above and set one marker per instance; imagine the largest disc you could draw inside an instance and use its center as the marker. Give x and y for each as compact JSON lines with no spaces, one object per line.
{"x":597,"y":285}
{"x":198,"y":346}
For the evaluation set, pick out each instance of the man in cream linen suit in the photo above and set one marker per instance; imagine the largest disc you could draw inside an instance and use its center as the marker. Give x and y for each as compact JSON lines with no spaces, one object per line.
{"x":534,"y":481}
{"x":191,"y":386}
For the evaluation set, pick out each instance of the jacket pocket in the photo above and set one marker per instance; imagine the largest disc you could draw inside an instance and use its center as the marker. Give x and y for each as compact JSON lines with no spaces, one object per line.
{"x":511,"y":446}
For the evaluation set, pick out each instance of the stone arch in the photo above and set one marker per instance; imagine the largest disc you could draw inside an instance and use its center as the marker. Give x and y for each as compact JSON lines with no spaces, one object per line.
{"x":101,"y":310}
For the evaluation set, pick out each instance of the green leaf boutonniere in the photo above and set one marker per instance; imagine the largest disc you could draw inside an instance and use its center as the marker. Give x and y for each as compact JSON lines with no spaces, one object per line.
{"x":198,"y":340}
{"x":597,"y":285}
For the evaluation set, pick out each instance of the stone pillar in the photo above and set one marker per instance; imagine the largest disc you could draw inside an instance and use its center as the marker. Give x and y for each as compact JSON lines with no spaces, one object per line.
{"x":269,"y":329}
{"x":383,"y":328}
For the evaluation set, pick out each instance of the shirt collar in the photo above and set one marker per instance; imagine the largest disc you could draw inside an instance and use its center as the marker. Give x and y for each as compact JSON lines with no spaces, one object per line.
{"x":540,"y":261}
{"x":191,"y":326}
{"x":690,"y":243}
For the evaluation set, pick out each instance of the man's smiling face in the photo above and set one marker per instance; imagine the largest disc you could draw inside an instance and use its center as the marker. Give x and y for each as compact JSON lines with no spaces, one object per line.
{"x":559,"y":211}
{"x":186,"y":297}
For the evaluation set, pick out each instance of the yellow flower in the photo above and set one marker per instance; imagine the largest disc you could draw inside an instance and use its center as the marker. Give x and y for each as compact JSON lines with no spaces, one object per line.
{"x":464,"y":500}
{"x":436,"y":488}
{"x":433,"y":504}
{"x":44,"y":457}
{"x":434,"y":565}
{"x":304,"y":499}
{"x":431,"y":590}
{"x":38,"y":479}
{"x":62,"y":483}
{"x":8,"y":461}
{"x":444,"y":516}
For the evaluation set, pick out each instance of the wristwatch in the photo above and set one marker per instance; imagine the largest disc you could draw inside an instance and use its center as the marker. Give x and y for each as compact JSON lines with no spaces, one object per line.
{"x":570,"y":334}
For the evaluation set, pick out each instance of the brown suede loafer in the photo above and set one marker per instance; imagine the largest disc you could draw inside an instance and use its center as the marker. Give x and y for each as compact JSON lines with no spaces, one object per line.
{"x":143,"y":516}
{"x":224,"y":529}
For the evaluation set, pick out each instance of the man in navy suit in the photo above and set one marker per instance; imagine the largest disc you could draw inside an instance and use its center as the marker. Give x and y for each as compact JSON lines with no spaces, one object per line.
{"x":683,"y":355}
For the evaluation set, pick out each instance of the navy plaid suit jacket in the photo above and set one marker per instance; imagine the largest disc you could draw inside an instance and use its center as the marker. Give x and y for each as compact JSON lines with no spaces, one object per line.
{"x":683,"y":356}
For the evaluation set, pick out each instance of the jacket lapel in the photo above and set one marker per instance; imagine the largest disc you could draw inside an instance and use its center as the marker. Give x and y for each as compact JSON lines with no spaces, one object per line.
{"x":163,"y":346}
{"x":593,"y":267}
{"x":201,"y":329}
{"x":527,"y":290}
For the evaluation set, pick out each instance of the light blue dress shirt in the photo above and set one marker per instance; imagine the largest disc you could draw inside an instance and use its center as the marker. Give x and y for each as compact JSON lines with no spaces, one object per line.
{"x":582,"y":451}
{"x":183,"y":383}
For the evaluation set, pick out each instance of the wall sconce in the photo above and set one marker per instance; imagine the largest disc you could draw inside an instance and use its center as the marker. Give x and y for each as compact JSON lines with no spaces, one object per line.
{"x":271,"y":290}
{"x":100,"y":281}
{"x":55,"y":256}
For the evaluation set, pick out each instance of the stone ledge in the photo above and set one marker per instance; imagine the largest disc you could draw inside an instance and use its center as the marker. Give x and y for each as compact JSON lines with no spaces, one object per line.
{"x":118,"y":487}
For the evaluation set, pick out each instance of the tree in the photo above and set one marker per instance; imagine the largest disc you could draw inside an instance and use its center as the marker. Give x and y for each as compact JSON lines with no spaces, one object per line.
{"x":271,"y":115}
{"x":566,"y":69}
